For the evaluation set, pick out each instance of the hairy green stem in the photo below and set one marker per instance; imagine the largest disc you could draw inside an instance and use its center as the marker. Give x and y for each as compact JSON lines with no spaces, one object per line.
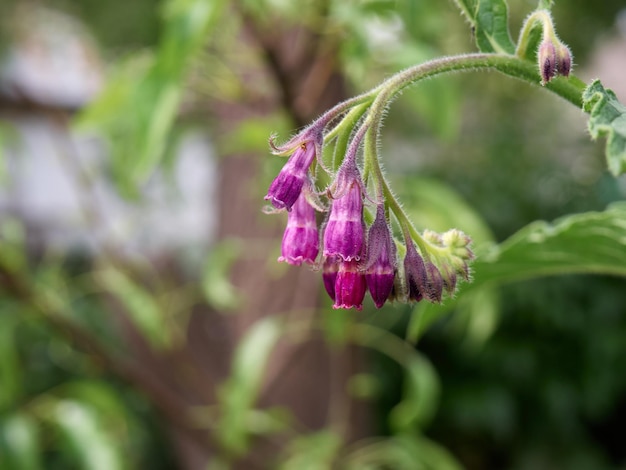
{"x":541,"y":17}
{"x":570,"y":89}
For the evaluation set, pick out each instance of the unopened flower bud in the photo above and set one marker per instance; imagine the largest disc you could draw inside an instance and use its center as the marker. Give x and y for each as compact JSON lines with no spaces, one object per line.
{"x":414,"y":273}
{"x":547,"y":59}
{"x":380,"y":268}
{"x":433,"y":287}
{"x":449,"y":277}
{"x":563,"y":60}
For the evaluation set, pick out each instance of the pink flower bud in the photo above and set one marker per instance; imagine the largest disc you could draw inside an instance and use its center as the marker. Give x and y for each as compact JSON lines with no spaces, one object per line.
{"x":564,"y":60}
{"x":380,"y":269}
{"x":547,"y":60}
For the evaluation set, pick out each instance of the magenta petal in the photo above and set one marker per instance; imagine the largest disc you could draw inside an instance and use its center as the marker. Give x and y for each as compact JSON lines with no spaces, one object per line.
{"x":287,"y":186}
{"x":344,"y":234}
{"x":301,"y":238}
{"x":329,"y":275}
{"x":350,"y":286}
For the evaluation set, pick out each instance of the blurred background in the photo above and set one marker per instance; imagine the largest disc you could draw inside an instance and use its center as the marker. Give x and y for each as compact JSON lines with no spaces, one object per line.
{"x":144,"y":321}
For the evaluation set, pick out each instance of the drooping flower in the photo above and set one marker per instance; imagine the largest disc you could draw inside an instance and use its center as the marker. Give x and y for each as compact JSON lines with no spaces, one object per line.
{"x":350,"y":285}
{"x":344,"y":234}
{"x":301,"y":238}
{"x":287,"y":186}
{"x":414,"y":272}
{"x":380,"y":268}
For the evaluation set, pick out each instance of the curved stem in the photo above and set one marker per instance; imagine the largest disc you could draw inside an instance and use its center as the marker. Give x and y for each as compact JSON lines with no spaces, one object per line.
{"x":570,"y":89}
{"x":542,"y":17}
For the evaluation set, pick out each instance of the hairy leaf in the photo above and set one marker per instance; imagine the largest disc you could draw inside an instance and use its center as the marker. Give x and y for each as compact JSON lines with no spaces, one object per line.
{"x":607,"y":119}
{"x":489,"y":20}
{"x":593,"y":242}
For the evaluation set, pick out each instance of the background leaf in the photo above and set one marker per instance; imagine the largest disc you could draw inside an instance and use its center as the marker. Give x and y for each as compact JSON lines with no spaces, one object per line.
{"x":489,"y":20}
{"x":607,"y":119}
{"x":238,"y":393}
{"x":19,"y":446}
{"x":136,"y":111}
{"x":143,"y":308}
{"x":84,"y":434}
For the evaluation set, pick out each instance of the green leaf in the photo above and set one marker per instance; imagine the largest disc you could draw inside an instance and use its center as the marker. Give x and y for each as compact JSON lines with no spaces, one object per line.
{"x":405,"y":451}
{"x":593,"y":242}
{"x":489,"y":21}
{"x":420,"y":397}
{"x":545,"y":4}
{"x":476,"y":315}
{"x":607,"y":119}
{"x":101,"y":397}
{"x":439,"y":207}
{"x":423,"y":316}
{"x":12,"y":245}
{"x":10,"y":369}
{"x":421,"y":389}
{"x":312,"y":452}
{"x":137,"y":110}
{"x":218,"y":291}
{"x":19,"y":443}
{"x":85,"y":436}
{"x":238,"y":394}
{"x":141,"y":305}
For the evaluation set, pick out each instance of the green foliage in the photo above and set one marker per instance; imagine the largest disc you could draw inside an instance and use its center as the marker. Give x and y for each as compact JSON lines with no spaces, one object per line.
{"x":402,"y":452}
{"x":311,"y":452}
{"x":238,"y":394}
{"x":489,"y":21}
{"x":142,"y":307}
{"x":56,"y":402}
{"x":421,"y":389}
{"x":218,"y":290}
{"x":607,"y":119}
{"x":19,"y":442}
{"x":83,"y":433}
{"x":592,"y":242}
{"x":137,"y":109}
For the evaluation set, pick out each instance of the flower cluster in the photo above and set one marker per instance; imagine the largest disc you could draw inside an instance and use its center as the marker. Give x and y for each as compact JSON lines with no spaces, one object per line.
{"x":356,"y":258}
